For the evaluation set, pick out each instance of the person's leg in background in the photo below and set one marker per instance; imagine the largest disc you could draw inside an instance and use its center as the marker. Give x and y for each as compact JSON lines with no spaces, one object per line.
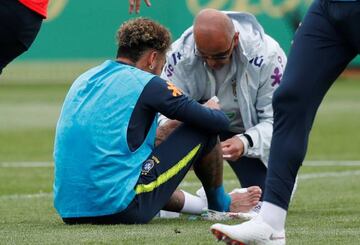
{"x":318,"y":55}
{"x":19,"y":27}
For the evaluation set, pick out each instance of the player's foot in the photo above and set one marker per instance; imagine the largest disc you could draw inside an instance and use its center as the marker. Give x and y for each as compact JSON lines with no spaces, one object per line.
{"x":214,"y":215}
{"x":253,"y":232}
{"x":243,"y":200}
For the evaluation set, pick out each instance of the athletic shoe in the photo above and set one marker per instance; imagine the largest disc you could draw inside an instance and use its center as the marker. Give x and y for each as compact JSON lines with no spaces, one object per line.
{"x":253,"y":232}
{"x":214,"y":215}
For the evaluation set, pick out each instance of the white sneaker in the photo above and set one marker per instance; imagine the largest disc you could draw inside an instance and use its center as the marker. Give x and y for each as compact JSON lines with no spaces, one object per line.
{"x":214,"y":215}
{"x":253,"y":232}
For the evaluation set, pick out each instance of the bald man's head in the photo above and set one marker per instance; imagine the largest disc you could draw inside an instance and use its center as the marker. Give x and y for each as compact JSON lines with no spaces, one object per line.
{"x":214,"y":34}
{"x":212,"y":26}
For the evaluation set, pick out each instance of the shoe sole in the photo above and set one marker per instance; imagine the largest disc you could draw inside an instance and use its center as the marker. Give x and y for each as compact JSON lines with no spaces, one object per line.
{"x":225,"y":238}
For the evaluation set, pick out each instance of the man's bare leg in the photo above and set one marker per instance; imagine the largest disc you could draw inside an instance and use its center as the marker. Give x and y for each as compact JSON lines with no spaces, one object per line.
{"x":176,"y":202}
{"x":165,"y":130}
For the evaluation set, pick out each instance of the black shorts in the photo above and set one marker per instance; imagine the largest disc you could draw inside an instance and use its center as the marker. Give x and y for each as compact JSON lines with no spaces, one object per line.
{"x":18,"y":29}
{"x":161,"y":174}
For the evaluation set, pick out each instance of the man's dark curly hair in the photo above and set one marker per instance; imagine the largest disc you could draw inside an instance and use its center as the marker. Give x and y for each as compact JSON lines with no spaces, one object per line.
{"x":139,"y":35}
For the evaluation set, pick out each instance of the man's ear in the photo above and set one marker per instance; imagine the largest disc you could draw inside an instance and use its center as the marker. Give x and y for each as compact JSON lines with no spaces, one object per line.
{"x":152,"y":59}
{"x":236,"y":39}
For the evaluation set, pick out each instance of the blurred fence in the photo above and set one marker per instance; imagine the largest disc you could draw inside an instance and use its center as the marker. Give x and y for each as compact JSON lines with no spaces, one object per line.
{"x":40,"y":72}
{"x":79,"y":30}
{"x":86,"y":29}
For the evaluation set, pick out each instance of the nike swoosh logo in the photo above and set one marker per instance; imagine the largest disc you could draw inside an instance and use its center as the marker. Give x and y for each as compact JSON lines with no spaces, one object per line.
{"x":273,"y":238}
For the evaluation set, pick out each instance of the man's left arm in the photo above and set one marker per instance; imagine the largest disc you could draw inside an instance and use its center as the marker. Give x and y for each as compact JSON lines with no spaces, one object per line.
{"x":258,"y":138}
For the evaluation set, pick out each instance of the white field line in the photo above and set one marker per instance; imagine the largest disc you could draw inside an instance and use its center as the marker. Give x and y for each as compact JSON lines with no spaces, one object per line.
{"x":301,"y":177}
{"x":307,"y":164}
{"x":328,"y":174}
{"x":26,"y":196}
{"x":331,"y":163}
{"x":26,"y":164}
{"x":197,"y":184}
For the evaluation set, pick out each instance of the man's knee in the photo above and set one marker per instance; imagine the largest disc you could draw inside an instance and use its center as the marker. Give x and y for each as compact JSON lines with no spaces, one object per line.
{"x":212,"y":145}
{"x":288,"y":99}
{"x":162,"y":132}
{"x":293,"y":116}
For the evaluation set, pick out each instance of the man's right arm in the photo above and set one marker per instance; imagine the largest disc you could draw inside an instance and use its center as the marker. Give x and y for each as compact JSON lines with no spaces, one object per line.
{"x":170,"y":102}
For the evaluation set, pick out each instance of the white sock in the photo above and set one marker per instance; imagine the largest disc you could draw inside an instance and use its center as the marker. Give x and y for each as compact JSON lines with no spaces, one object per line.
{"x":168,"y":214}
{"x":193,"y":204}
{"x":273,"y":215}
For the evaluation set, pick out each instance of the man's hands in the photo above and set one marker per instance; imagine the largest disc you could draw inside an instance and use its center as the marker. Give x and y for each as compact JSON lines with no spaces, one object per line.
{"x":232,"y":148}
{"x":212,"y":103}
{"x":162,"y":132}
{"x":135,"y":4}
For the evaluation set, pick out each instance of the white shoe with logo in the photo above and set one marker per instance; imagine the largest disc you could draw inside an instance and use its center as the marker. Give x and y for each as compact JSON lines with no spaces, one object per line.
{"x":214,"y":215}
{"x":253,"y":232}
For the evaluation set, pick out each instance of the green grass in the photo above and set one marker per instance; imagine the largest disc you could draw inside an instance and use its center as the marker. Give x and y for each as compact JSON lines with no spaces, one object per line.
{"x":325,"y":210}
{"x":334,"y":135}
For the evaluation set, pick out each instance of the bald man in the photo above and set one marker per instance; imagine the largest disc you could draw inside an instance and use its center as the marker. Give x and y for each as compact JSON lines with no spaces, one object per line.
{"x":228,"y":55}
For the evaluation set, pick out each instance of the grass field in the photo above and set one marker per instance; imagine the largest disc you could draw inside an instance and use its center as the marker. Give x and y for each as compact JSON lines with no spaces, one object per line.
{"x":325,"y":210}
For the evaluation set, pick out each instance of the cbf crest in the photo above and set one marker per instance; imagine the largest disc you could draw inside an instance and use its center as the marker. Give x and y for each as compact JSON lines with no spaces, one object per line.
{"x":147,"y":166}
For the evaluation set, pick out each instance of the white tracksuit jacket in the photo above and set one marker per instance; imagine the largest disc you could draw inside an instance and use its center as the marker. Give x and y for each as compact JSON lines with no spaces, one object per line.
{"x":258,"y":61}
